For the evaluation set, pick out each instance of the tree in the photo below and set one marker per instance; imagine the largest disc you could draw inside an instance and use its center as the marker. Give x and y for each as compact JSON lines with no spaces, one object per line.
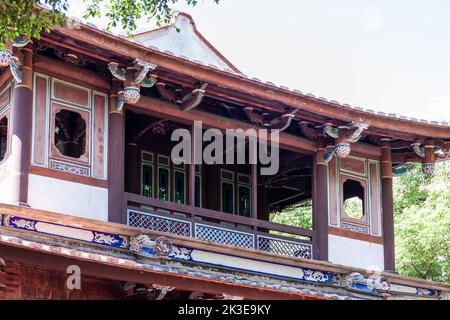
{"x":28,"y":18}
{"x":422,"y":223}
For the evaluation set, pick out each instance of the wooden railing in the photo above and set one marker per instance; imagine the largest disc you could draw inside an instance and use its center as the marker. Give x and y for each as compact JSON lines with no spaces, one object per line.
{"x":210,"y":225}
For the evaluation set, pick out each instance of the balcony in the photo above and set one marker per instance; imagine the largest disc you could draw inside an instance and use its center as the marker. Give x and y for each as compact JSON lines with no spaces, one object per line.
{"x":209,"y":225}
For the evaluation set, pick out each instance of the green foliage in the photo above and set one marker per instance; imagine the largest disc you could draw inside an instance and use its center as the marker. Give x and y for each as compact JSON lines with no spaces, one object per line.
{"x":422,"y":223}
{"x":27,"y":18}
{"x":299,"y":215}
{"x":353,"y":208}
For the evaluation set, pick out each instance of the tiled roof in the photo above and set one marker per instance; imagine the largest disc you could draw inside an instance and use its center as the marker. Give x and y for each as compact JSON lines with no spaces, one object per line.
{"x":445,"y":123}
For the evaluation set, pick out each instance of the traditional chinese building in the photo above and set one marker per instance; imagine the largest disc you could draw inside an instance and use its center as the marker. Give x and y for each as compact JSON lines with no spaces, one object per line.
{"x":87,"y":180}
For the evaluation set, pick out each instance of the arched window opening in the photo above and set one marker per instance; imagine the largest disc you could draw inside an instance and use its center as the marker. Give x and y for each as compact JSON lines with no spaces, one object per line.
{"x":70,"y":133}
{"x":353,"y":202}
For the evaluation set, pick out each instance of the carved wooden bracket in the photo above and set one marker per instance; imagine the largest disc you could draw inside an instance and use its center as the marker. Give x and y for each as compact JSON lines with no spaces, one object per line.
{"x":187,"y":101}
{"x":262,"y":119}
{"x":8,"y":60}
{"x":429,"y":152}
{"x":420,"y":151}
{"x":308,"y":131}
{"x":134,"y":76}
{"x":343,"y":136}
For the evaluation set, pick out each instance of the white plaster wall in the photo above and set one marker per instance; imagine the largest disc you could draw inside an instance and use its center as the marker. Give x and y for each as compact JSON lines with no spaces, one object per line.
{"x":68,"y":197}
{"x":355,"y":253}
{"x":185,"y":43}
{"x":5,"y":183}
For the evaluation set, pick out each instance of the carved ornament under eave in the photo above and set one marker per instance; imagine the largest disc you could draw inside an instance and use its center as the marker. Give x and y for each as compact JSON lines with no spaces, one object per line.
{"x":430,"y":152}
{"x":136,"y":75}
{"x":71,"y":58}
{"x":343,"y":137}
{"x":187,"y":101}
{"x":161,"y":246}
{"x":280,"y":123}
{"x":7,"y":59}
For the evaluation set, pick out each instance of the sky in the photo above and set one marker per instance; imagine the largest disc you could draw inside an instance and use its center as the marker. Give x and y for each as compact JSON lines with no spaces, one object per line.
{"x":385,"y":55}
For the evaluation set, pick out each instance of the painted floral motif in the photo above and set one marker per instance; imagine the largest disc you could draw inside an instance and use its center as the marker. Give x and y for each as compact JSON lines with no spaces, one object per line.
{"x":317,"y":276}
{"x":181,"y":253}
{"x":137,"y":243}
{"x":103,"y":238}
{"x":23,"y":223}
{"x":425,"y":292}
{"x":163,"y":246}
{"x":382,"y":284}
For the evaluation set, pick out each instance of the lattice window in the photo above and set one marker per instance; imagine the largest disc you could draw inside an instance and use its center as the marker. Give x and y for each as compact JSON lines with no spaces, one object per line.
{"x":224,"y":236}
{"x":285,"y":247}
{"x":159,"y":223}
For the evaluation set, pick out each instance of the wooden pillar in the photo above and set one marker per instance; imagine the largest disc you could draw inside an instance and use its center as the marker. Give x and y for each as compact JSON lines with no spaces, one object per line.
{"x":22,"y":122}
{"x":191,"y":170}
{"x":254,"y":176}
{"x":116,"y":158}
{"x":387,"y":206}
{"x":132,"y":168}
{"x":320,"y":205}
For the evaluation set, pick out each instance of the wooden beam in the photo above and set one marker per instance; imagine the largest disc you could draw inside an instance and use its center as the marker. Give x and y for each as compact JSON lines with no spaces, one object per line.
{"x":78,"y":75}
{"x":172,"y":112}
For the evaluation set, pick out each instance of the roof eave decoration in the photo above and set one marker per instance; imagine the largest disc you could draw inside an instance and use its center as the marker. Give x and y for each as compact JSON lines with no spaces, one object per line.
{"x":343,"y":137}
{"x":262,"y":119}
{"x":187,"y":101}
{"x":134,"y":76}
{"x":234,"y":80}
{"x":429,"y":152}
{"x":8,"y":60}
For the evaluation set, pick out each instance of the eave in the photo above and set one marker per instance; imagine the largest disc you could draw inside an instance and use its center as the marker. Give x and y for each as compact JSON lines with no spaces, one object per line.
{"x":123,"y":48}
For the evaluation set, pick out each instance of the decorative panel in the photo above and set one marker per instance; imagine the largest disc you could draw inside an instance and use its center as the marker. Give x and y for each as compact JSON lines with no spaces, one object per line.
{"x":353,"y":165}
{"x":70,"y":168}
{"x":354,"y":227}
{"x":82,"y":120}
{"x":332,"y":193}
{"x":375,"y":198}
{"x":71,"y":93}
{"x":366,"y":172}
{"x":99,"y":134}
{"x":40,"y":120}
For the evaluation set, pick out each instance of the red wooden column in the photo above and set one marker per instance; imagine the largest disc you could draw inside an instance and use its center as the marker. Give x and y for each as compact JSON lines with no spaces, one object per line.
{"x":254,"y":177}
{"x":320,"y":205}
{"x":388,"y":206}
{"x":22,"y":122}
{"x":191,"y":169}
{"x":116,"y":159}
